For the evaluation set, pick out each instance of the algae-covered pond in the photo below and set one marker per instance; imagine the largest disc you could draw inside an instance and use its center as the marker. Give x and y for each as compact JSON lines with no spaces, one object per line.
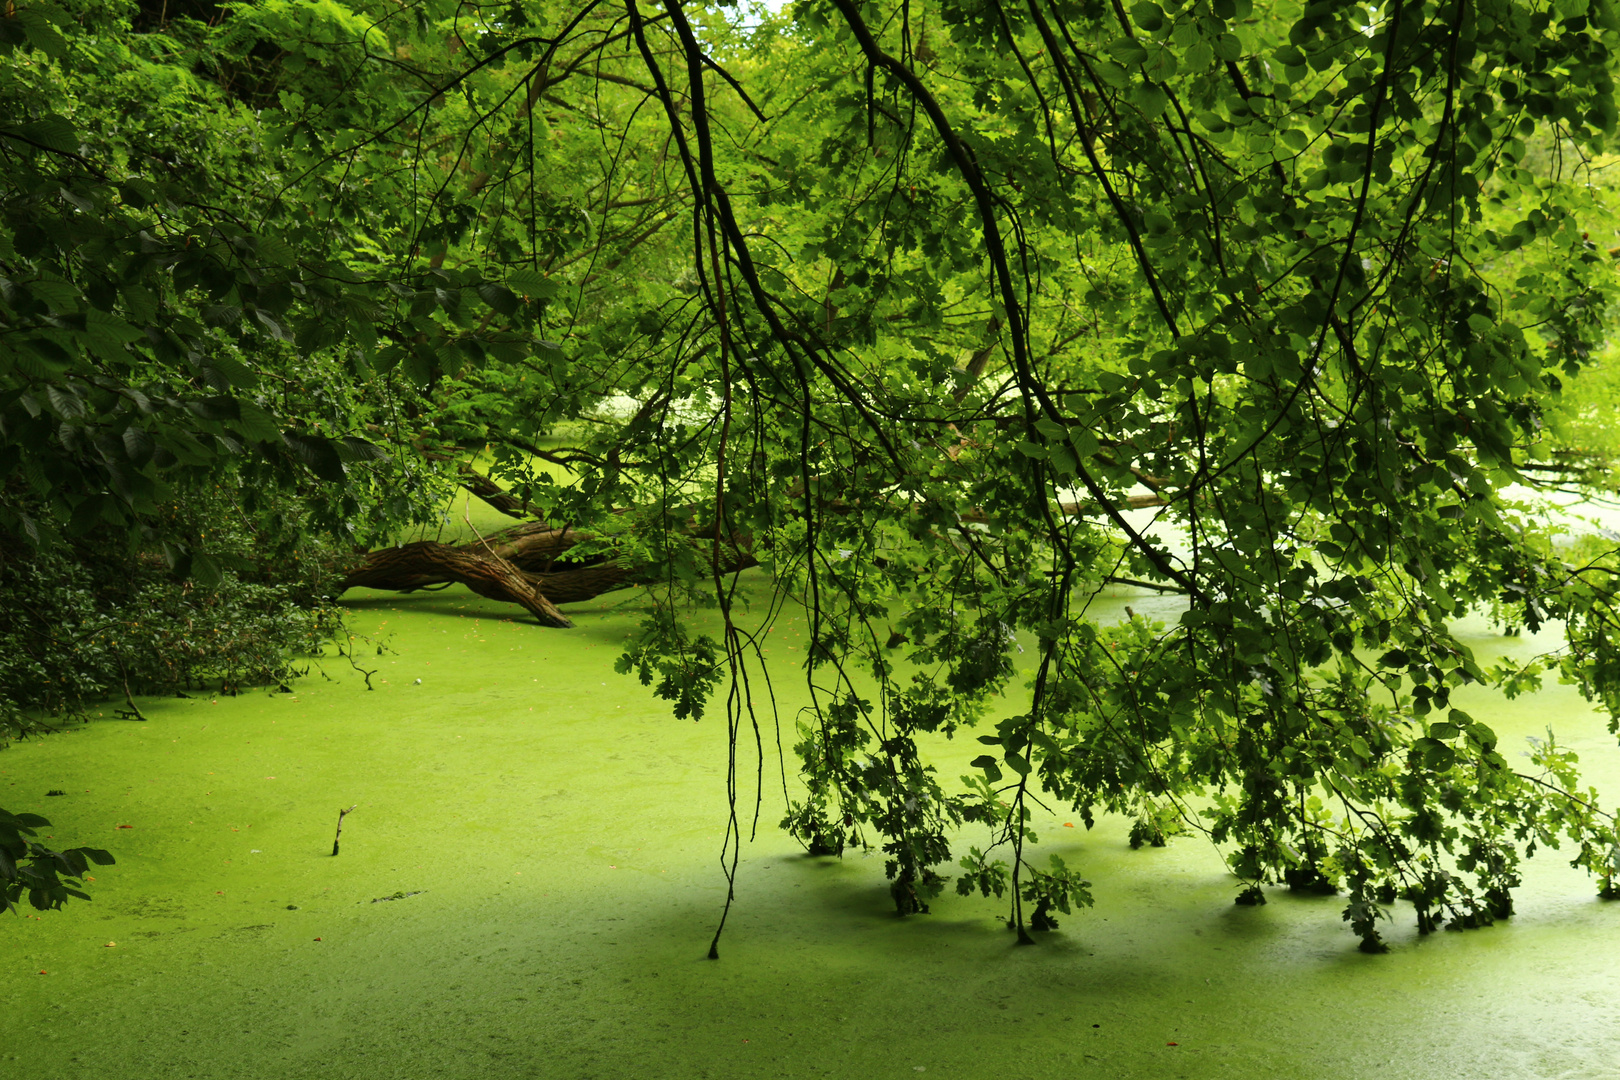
{"x":529,"y":883}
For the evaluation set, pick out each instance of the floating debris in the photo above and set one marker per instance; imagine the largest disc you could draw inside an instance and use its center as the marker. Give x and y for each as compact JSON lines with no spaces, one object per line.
{"x":397,"y":896}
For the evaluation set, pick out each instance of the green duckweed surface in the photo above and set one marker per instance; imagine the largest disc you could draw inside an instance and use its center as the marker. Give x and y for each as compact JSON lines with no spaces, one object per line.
{"x":552,"y":837}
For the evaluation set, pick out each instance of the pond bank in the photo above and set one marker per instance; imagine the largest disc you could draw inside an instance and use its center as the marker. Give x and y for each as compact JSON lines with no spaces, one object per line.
{"x":556,"y":835}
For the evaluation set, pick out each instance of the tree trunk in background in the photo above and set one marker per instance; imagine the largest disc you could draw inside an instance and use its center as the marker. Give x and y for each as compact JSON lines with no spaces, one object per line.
{"x":522,"y":565}
{"x":526,"y":564}
{"x":425,"y":562}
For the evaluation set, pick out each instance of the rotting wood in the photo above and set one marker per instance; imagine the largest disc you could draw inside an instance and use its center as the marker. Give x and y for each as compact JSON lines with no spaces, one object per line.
{"x":427,"y":562}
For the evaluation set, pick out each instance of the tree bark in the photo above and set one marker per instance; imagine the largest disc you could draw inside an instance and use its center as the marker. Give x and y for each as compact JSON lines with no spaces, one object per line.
{"x":492,"y":493}
{"x":426,"y":562}
{"x":522,"y":565}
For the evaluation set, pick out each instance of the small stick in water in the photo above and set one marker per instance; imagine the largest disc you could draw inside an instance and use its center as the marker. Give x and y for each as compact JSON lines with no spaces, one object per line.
{"x":341,"y":815}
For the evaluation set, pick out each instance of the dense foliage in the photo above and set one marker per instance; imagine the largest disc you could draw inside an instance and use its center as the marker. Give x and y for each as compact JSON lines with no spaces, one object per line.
{"x":80,"y":627}
{"x":921,"y":305}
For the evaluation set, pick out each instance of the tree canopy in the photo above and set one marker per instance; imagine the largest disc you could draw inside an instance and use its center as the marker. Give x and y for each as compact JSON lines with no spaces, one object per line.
{"x":919,"y":306}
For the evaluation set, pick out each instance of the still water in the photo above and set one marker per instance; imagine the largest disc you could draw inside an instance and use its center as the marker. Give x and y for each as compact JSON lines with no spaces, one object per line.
{"x":529,"y":883}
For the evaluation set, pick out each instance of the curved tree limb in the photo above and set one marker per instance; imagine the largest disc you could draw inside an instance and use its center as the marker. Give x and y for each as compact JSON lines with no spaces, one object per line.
{"x":427,"y":562}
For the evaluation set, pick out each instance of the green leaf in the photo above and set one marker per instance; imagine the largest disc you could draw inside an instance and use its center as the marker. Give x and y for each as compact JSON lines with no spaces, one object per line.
{"x":531,"y":285}
{"x":1228,"y":48}
{"x":255,"y":424}
{"x":67,"y":403}
{"x":276,"y":328}
{"x":272,"y":251}
{"x":1147,"y":15}
{"x":222,"y":314}
{"x":1127,"y":51}
{"x":137,"y":193}
{"x":318,"y":453}
{"x":218,"y":407}
{"x":87,"y":516}
{"x":138,"y":445}
{"x":1436,"y":755}
{"x":350,"y":448}
{"x":1289,"y":56}
{"x":44,"y":359}
{"x":206,"y":571}
{"x":316,"y":333}
{"x":1084,"y":442}
{"x":224,"y":373}
{"x":499,"y":297}
{"x":51,"y":132}
{"x":419,"y":364}
{"x":41,"y":34}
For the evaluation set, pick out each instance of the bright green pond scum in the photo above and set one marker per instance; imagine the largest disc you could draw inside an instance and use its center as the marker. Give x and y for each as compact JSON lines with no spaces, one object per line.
{"x":555,"y":834}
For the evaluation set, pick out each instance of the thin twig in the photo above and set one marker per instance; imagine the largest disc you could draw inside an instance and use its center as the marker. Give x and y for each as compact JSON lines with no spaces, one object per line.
{"x":337,"y":835}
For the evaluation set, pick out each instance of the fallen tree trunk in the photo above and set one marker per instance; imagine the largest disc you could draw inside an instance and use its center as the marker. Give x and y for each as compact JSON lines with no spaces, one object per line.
{"x":522,"y":565}
{"x":528,"y":564}
{"x":533,"y":546}
{"x":426,"y":562}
